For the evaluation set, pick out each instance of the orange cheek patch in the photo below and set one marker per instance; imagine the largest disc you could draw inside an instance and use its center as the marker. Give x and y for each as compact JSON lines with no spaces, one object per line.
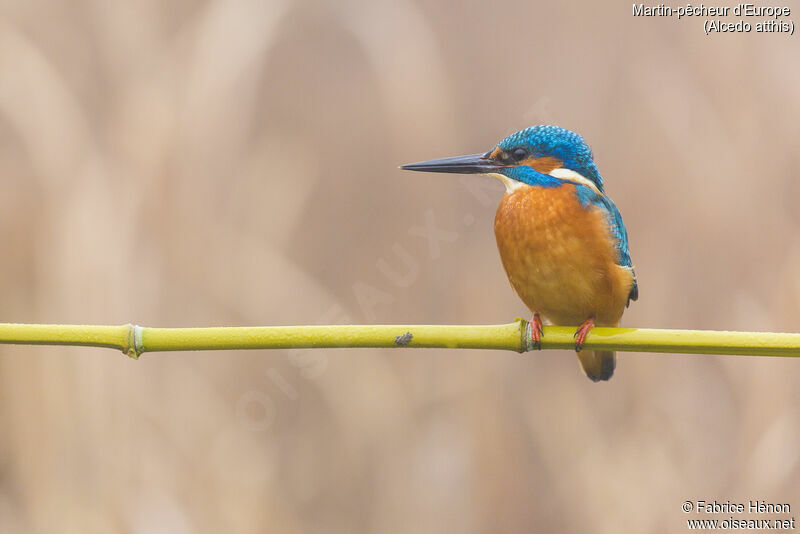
{"x":544,"y":165}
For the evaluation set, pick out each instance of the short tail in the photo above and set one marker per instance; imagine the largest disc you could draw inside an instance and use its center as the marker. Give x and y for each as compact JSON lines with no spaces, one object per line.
{"x":598,"y":364}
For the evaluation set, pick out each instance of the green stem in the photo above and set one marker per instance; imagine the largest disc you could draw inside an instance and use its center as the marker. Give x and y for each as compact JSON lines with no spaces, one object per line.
{"x":134,"y":340}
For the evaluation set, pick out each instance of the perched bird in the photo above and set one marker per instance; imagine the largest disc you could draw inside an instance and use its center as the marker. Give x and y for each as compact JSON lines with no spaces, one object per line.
{"x":562,"y":241}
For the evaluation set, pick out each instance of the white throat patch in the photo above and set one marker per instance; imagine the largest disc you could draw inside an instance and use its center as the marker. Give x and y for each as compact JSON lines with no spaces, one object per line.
{"x":511,"y":185}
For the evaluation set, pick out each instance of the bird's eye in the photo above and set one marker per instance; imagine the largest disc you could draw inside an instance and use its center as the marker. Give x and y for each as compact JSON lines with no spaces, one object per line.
{"x":519,"y":154}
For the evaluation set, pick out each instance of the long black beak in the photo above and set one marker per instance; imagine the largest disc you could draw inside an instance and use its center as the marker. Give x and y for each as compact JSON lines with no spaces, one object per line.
{"x":472,"y":164}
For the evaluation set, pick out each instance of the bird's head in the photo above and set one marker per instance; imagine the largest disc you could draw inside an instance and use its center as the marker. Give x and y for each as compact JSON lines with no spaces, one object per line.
{"x":539,"y":155}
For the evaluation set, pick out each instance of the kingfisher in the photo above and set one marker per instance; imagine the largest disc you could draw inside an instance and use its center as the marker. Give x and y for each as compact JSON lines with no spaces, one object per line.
{"x":562,"y":241}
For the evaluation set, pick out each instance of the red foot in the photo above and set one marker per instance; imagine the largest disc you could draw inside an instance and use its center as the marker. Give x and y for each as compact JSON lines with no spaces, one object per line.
{"x":582,"y":332}
{"x":533,"y":333}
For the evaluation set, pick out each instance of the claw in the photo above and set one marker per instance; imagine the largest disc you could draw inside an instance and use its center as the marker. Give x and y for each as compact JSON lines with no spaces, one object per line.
{"x":533,"y":333}
{"x":582,"y":332}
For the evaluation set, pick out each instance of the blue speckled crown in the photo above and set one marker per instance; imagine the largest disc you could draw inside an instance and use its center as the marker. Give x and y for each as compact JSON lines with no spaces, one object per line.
{"x":557,"y":142}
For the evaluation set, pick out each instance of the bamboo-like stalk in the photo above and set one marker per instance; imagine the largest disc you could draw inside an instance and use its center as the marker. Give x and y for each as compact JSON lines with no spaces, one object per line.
{"x":135,"y":340}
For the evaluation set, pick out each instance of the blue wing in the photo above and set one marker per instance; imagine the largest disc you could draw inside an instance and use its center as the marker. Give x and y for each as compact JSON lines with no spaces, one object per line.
{"x":588,"y":196}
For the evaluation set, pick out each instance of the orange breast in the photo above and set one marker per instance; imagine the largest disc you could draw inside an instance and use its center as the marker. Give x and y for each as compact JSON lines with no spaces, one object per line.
{"x":559,"y":257}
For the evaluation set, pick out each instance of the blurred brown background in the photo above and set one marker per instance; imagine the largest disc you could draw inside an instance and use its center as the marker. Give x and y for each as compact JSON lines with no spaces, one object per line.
{"x":235,"y":162}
